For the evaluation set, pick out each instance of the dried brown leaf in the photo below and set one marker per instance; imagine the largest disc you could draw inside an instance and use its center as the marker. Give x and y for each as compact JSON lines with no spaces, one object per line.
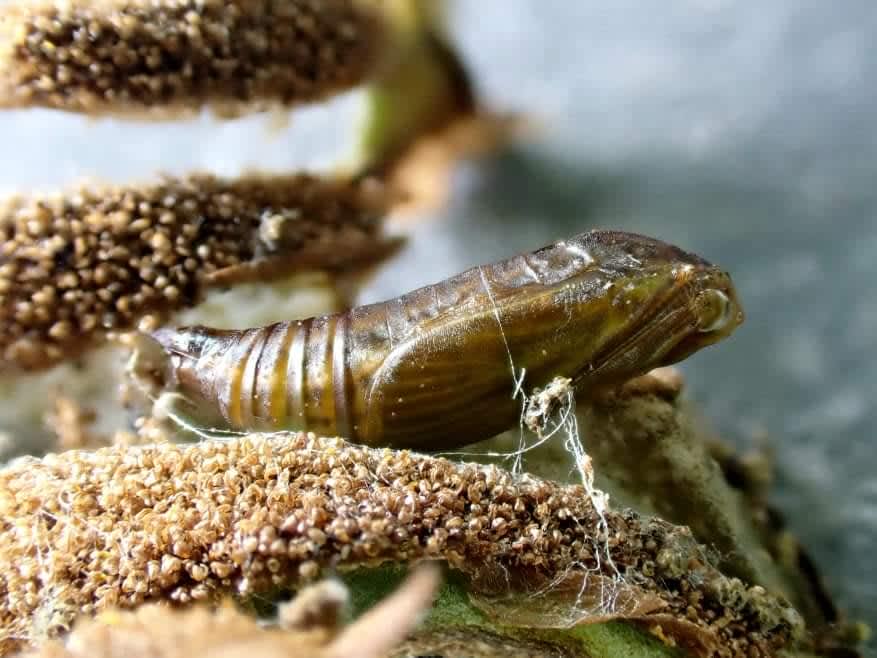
{"x":160,"y":631}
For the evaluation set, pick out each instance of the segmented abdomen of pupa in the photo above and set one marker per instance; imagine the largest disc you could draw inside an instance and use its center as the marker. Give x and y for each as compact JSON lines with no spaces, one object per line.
{"x":289,"y":375}
{"x":381,"y":374}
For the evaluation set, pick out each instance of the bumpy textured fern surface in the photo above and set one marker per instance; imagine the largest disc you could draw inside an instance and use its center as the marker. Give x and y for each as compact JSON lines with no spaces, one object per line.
{"x":91,"y":530}
{"x":77,"y":265}
{"x":119,"y":56}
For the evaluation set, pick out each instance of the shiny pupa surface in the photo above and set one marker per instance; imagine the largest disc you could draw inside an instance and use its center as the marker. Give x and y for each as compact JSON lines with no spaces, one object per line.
{"x":439,"y":367}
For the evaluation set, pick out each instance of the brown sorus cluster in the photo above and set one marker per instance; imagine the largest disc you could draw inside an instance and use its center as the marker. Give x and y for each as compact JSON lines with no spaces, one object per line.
{"x":87,"y":531}
{"x":75,"y":266}
{"x":119,"y":56}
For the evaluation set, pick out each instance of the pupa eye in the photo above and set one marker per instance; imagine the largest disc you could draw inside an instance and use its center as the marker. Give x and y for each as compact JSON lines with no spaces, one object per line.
{"x":713,"y":310}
